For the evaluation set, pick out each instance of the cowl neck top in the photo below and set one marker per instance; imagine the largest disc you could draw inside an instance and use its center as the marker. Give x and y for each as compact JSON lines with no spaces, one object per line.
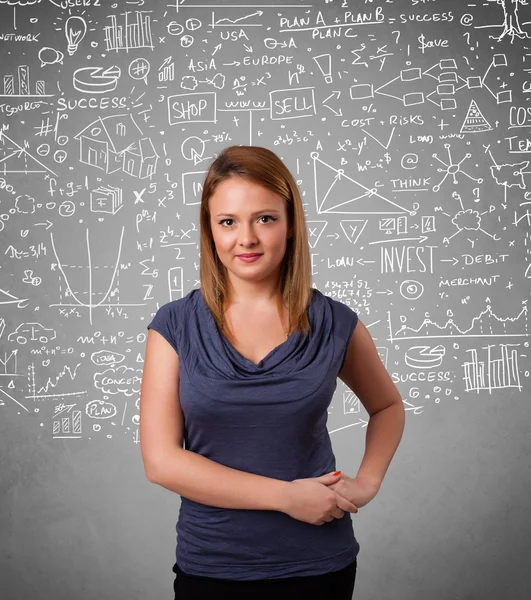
{"x":243,"y":365}
{"x":220,"y":367}
{"x":269,"y":419}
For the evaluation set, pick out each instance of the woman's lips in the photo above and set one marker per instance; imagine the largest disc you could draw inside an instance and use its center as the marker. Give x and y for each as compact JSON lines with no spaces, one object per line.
{"x":249,"y":258}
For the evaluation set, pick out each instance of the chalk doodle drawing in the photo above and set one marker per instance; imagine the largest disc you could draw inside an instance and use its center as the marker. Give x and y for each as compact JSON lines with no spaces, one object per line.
{"x":406,"y":126}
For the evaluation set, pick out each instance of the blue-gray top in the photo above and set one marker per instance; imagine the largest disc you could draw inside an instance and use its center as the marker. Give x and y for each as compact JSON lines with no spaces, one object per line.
{"x":267,"y":418}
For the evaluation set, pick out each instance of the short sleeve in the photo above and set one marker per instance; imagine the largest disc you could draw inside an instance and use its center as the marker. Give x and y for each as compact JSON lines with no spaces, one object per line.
{"x":166,"y":322}
{"x":346,"y":321}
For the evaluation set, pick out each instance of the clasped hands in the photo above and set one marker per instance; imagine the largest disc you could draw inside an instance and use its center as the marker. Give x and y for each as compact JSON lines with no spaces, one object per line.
{"x":359,"y":490}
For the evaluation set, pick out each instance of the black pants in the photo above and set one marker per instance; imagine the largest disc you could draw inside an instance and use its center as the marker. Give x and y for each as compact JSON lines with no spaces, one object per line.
{"x":338,"y":585}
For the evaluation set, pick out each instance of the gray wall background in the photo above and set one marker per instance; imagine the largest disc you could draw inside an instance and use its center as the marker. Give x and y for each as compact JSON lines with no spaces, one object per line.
{"x":407,"y":126}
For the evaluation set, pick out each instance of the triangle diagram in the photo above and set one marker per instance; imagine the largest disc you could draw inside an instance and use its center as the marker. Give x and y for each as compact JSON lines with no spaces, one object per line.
{"x":15,"y":159}
{"x":338,"y":193}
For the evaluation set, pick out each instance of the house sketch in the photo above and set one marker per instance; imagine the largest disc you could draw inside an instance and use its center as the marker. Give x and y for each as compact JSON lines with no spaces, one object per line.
{"x":115,"y":143}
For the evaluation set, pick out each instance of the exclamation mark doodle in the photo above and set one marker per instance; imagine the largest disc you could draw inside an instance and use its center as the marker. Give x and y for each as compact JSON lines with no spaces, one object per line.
{"x":324,"y":62}
{"x":408,"y":62}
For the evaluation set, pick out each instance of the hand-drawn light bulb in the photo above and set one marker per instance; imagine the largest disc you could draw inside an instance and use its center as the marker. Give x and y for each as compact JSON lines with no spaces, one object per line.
{"x":75,"y":29}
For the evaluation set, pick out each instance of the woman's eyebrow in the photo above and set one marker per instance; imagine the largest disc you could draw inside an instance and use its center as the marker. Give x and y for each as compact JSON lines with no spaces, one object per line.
{"x":255,"y":213}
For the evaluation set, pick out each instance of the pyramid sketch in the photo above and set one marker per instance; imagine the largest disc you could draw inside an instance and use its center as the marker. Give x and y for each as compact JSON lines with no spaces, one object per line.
{"x":474,"y":120}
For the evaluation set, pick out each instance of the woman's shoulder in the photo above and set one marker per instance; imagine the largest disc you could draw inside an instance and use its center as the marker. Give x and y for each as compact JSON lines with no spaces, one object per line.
{"x":178,"y":308}
{"x":343,"y":317}
{"x":172,"y":318}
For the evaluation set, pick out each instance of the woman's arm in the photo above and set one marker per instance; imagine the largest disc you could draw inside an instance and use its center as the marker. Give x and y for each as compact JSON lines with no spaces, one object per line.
{"x":365,"y":374}
{"x":203,"y":480}
{"x":187,"y":473}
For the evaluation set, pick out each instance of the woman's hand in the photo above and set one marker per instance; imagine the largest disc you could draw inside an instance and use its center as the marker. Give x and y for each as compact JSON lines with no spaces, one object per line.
{"x":359,"y":490}
{"x":307,"y":500}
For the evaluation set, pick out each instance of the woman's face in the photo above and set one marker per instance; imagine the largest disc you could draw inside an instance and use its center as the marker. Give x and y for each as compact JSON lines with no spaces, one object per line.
{"x":247,"y":218}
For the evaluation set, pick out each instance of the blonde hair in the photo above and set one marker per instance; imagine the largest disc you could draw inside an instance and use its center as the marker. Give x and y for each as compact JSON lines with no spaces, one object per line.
{"x":262,"y":166}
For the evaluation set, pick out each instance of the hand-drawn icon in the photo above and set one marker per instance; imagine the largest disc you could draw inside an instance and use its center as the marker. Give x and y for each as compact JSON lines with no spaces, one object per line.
{"x":107,"y":357}
{"x":189,"y":82}
{"x":192,"y":108}
{"x":50,"y":56}
{"x":468,"y":220}
{"x":193,"y":148}
{"x":106,"y":199}
{"x":122,"y":380}
{"x":25,"y":205}
{"x":32,"y":332}
{"x":131,"y":34}
{"x":167,"y":70}
{"x":351,"y":403}
{"x":511,"y":20}
{"x":487,"y":371}
{"x":324,"y":62}
{"x":8,"y":364}
{"x":113,"y":143}
{"x":510,"y":175}
{"x":356,"y":228}
{"x":99,"y":409}
{"x":75,"y":30}
{"x":452,"y":169}
{"x":475,"y":121}
{"x":29,"y":278}
{"x":411,"y":289}
{"x":139,"y":69}
{"x":96,"y":80}
{"x":424,"y":357}
{"x":22,"y":88}
{"x":69,"y":425}
{"x":292,"y":103}
{"x":409,"y":161}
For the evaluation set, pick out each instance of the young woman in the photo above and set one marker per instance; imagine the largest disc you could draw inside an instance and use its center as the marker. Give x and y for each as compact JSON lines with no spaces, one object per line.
{"x":238,"y":377}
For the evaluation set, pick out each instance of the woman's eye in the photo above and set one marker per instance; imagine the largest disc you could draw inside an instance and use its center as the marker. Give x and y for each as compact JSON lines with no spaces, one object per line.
{"x":262,"y":217}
